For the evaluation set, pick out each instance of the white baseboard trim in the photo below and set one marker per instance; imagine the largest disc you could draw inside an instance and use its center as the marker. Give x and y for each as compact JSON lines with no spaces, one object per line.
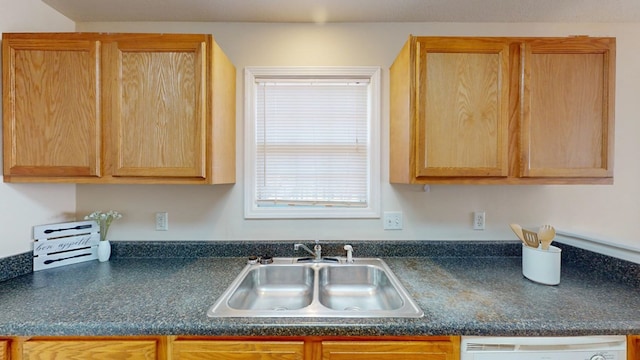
{"x":623,"y":252}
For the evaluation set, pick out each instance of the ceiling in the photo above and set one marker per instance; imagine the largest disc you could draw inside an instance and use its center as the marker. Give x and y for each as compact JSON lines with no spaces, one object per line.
{"x":321,"y":11}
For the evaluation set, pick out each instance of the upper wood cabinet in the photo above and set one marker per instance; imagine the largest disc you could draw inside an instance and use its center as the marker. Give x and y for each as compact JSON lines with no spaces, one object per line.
{"x":117,"y":108}
{"x":502,"y":111}
{"x":51,"y":111}
{"x":156,"y":100}
{"x":568,"y":107}
{"x":462,"y":107}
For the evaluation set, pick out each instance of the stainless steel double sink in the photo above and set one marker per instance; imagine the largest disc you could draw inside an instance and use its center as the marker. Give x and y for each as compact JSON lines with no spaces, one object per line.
{"x":287,"y":288}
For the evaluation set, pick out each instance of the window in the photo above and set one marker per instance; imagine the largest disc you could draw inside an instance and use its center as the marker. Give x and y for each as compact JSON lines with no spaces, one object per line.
{"x":312,"y":142}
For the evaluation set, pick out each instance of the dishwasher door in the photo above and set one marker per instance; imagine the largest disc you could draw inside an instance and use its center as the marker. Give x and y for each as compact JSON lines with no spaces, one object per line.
{"x":544,"y":348}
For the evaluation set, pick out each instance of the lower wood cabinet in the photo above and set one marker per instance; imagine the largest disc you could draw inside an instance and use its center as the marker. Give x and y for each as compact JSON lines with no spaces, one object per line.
{"x":54,"y":348}
{"x":250,"y":348}
{"x":633,"y":347}
{"x":226,"y":348}
{"x":318,"y":348}
{"x":237,"y":350}
{"x":4,"y":349}
{"x":437,"y":349}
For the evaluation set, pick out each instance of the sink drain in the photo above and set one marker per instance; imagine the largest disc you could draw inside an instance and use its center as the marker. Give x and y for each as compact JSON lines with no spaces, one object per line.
{"x":352,"y":308}
{"x":280,"y":308}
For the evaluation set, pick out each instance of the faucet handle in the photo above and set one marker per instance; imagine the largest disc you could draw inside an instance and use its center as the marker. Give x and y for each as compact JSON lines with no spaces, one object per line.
{"x":318,"y":250}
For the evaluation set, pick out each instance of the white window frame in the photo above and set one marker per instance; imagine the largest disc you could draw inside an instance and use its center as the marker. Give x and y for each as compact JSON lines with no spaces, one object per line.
{"x":251,"y":210}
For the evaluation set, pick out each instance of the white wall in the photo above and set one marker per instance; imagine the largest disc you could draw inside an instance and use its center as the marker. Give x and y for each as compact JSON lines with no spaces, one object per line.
{"x":25,"y":205}
{"x":215,"y":212}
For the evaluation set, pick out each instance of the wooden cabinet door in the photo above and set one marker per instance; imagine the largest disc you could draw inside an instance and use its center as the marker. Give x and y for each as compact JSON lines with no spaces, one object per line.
{"x":51,"y":112}
{"x":89,"y":349}
{"x":633,"y":347}
{"x":237,"y":350}
{"x":390,"y":350}
{"x":462,"y":107}
{"x":4,"y":350}
{"x":568,"y":107}
{"x":158,"y":106}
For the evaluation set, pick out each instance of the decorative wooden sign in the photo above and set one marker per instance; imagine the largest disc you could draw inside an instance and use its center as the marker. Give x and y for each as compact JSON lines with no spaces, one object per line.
{"x":65,"y":243}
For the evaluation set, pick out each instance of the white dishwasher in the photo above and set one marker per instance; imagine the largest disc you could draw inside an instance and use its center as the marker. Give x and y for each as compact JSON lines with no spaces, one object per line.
{"x":544,"y":348}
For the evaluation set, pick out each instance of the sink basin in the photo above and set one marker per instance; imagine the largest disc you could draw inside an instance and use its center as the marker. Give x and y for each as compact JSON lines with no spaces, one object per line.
{"x":274,"y":288}
{"x":357,"y":288}
{"x":289,"y":288}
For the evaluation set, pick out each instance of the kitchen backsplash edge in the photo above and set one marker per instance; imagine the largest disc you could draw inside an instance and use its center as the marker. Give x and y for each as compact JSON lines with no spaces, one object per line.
{"x":14,"y":266}
{"x":588,"y":261}
{"x":362,"y":248}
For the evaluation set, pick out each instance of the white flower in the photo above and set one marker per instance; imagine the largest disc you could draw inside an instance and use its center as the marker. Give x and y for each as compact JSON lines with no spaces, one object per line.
{"x":104,"y":220}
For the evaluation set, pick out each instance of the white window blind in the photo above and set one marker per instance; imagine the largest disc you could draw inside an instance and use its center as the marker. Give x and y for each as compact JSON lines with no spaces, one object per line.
{"x":312,"y":142}
{"x":312,"y":147}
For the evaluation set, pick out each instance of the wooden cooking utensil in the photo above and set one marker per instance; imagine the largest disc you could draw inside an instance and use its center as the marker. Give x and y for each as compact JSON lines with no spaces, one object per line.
{"x":531,"y":238}
{"x":517,"y":229}
{"x":546,"y":234}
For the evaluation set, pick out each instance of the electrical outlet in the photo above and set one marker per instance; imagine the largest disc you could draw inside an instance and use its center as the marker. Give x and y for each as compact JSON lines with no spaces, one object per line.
{"x":162,"y":221}
{"x":478,"y":220}
{"x":392,"y":220}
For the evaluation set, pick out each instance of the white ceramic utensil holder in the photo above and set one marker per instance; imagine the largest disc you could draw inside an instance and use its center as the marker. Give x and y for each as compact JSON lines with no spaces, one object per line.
{"x":541,"y":266}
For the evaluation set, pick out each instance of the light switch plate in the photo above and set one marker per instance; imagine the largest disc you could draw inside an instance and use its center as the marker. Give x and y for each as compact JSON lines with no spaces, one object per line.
{"x":392,"y":220}
{"x":162,"y":221}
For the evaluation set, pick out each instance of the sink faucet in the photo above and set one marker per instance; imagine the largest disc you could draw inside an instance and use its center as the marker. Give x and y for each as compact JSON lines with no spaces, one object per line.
{"x":349,"y":250}
{"x":317,"y":250}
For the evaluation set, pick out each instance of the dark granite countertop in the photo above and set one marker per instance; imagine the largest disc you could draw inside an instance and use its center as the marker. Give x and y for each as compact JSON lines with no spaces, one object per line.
{"x":460,"y":295}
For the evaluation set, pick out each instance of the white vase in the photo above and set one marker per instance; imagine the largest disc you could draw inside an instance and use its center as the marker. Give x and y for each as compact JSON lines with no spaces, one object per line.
{"x":104,"y":250}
